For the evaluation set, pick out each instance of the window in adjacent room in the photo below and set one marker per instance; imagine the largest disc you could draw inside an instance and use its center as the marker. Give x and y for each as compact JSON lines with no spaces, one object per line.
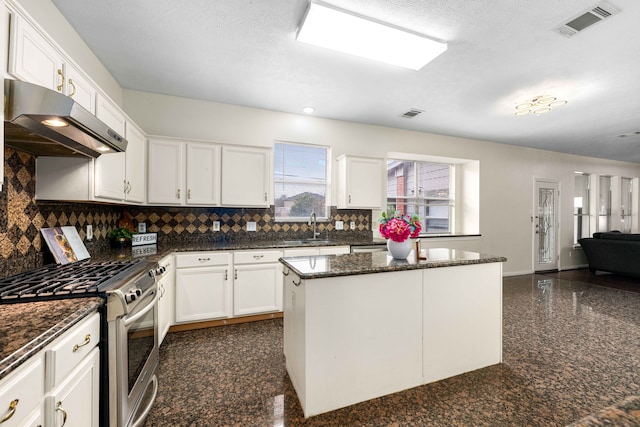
{"x":423,"y":188}
{"x":626,"y":197}
{"x":300,"y":181}
{"x":604,"y":203}
{"x":581,"y":207}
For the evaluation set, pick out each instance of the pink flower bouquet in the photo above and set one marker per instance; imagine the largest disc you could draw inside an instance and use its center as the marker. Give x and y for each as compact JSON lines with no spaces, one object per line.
{"x":398,"y":227}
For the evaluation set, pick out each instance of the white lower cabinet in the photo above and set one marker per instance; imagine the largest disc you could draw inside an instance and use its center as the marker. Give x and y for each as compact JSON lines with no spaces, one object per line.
{"x":203,"y":286}
{"x":22,"y":393}
{"x":166,"y":301}
{"x":257,"y":282}
{"x":61,"y":382}
{"x":218,"y":285}
{"x":75,"y":402}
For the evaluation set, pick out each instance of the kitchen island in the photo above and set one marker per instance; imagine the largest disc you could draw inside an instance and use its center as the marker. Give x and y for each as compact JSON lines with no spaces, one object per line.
{"x":360,"y":326}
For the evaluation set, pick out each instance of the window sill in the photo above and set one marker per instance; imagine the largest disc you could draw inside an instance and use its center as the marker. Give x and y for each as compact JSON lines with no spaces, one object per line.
{"x":451,"y":236}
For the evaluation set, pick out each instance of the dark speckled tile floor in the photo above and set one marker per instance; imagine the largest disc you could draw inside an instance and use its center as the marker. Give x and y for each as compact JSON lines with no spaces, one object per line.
{"x":570,"y":349}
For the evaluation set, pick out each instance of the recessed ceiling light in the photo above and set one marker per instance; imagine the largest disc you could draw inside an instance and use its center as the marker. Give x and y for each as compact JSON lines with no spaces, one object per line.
{"x":308,"y":110}
{"x":332,"y":28}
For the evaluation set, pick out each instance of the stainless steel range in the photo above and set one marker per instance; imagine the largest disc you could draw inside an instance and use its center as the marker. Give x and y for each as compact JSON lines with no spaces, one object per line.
{"x":130,"y":343}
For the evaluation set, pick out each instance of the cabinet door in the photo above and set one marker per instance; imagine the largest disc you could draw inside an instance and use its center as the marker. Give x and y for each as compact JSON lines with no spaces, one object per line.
{"x":246,"y":176}
{"x":5,"y":17}
{"x":257,"y":289}
{"x":203,"y":174}
{"x":164,"y":177}
{"x":110,"y":168}
{"x":110,"y":115}
{"x":79,"y":88}
{"x":167,"y":301}
{"x":110,"y":182}
{"x":364,"y":185}
{"x":135,"y":164}
{"x":32,"y":58}
{"x":77,"y":398}
{"x":202,"y":294}
{"x":22,"y":392}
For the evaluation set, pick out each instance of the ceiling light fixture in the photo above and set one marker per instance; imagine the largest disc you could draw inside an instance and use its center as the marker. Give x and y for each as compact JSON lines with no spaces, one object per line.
{"x":538,"y":105}
{"x":332,"y":28}
{"x":308,"y":110}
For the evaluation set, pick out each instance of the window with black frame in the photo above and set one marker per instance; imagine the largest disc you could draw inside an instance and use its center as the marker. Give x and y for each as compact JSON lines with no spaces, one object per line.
{"x":425,"y":189}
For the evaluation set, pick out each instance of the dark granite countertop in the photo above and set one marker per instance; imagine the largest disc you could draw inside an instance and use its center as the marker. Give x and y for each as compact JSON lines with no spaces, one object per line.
{"x":624,"y":413}
{"x":29,"y":327}
{"x":313,"y":267}
{"x":157,"y":252}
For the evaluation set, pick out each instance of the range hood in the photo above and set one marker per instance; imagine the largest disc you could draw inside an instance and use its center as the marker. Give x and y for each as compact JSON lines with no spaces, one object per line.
{"x":43,"y":122}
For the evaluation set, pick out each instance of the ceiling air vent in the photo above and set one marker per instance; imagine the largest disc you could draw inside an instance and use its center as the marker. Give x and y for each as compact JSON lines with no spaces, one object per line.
{"x":410,"y":114}
{"x":593,"y":15}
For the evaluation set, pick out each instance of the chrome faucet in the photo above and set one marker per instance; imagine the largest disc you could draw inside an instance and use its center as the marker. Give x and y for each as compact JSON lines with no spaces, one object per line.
{"x":312,"y":221}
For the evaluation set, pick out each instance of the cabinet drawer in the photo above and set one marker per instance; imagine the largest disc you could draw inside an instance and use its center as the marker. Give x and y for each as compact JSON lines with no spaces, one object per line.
{"x":67,"y":352}
{"x":256,"y":257}
{"x":22,"y":391}
{"x":202,"y":259}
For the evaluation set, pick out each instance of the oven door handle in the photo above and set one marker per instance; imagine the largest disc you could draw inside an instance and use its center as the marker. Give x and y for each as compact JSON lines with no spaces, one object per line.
{"x":141,"y":418}
{"x":130,"y":320}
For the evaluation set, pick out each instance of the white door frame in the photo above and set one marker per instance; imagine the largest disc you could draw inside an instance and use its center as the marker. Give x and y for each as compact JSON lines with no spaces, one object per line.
{"x":554,"y":263}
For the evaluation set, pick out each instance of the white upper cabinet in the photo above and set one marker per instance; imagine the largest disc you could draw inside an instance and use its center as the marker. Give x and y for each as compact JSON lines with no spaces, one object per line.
{"x":79,"y":88}
{"x":32,"y":58}
{"x":203,"y":174}
{"x":4,"y":46}
{"x":110,"y":168}
{"x":135,"y":164}
{"x":165,"y":173}
{"x":110,"y":115}
{"x":362,"y":182}
{"x":246,"y":176}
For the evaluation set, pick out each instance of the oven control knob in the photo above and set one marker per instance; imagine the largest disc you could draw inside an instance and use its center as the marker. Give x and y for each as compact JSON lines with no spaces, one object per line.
{"x":152,"y":273}
{"x":138,"y":292}
{"x":130,"y":297}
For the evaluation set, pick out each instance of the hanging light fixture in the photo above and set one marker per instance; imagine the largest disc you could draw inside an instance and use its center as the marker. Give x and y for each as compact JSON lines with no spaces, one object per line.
{"x":538,"y":105}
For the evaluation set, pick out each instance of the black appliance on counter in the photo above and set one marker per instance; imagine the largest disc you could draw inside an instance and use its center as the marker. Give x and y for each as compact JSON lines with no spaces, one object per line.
{"x":129,"y":329}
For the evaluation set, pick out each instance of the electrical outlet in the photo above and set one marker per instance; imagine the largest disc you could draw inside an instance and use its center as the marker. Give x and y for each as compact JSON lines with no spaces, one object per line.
{"x":353,"y":225}
{"x":142,"y":227}
{"x":216,"y":226}
{"x":251,"y":226}
{"x":89,"y":231}
{"x":339,"y":225}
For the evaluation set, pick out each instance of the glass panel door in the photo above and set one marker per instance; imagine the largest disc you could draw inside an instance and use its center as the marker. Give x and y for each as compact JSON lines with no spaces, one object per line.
{"x":546,"y":226}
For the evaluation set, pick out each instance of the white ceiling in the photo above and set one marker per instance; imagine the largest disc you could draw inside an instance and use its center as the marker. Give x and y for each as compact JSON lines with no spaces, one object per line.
{"x":501,"y":52}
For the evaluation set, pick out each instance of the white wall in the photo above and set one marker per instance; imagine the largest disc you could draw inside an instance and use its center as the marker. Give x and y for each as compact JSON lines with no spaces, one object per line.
{"x":507,"y":173}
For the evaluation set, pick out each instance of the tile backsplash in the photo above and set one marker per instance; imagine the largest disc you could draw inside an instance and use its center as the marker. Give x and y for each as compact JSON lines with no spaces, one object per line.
{"x":22,"y":217}
{"x":187,"y":224}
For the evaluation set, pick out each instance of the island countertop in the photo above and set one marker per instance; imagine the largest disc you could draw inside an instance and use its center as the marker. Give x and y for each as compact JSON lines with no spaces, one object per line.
{"x":313,"y":267}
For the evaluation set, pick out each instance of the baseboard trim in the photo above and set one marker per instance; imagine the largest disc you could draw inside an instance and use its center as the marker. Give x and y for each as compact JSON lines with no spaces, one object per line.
{"x":224,"y":322}
{"x":517,"y":273}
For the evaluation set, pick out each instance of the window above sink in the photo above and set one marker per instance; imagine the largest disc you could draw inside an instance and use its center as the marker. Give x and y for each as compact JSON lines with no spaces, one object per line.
{"x":300,"y":181}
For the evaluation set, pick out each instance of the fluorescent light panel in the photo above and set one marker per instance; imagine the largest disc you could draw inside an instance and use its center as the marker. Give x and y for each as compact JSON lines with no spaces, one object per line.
{"x":342,"y":31}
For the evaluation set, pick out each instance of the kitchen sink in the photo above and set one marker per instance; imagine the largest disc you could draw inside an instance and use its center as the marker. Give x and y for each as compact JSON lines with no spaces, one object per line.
{"x":306,"y":242}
